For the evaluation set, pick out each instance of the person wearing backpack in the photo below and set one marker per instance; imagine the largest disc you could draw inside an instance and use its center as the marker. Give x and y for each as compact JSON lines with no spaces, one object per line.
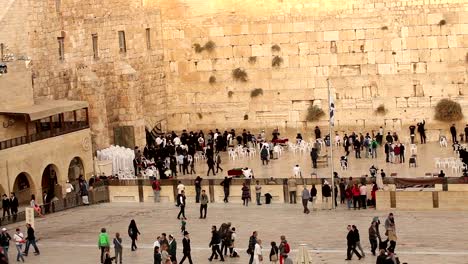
{"x":284,"y":248}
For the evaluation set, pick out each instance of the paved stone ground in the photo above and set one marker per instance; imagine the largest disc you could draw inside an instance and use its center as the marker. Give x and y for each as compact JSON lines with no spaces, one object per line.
{"x":71,"y":236}
{"x":357,"y":167}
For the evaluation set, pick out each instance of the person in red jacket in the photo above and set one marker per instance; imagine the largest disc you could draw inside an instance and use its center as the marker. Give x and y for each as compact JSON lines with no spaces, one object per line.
{"x":356,"y":196}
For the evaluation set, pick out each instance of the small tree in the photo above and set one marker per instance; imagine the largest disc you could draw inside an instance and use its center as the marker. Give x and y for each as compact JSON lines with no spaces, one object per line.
{"x":239,"y":74}
{"x":380,"y":110}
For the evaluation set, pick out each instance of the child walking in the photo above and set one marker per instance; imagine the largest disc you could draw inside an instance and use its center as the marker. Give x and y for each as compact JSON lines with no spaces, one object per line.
{"x":118,"y":248}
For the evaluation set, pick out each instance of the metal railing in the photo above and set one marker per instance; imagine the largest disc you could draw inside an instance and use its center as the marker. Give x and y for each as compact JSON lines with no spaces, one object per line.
{"x":69,"y":128}
{"x":97,"y":195}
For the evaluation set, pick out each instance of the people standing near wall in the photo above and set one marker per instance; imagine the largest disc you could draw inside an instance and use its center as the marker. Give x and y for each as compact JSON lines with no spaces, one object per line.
{"x":326,"y":195}
{"x":292,"y":187}
{"x":305,"y":199}
{"x":453,"y":132}
{"x":313,"y":197}
{"x":198,"y":187}
{"x":356,"y":196}
{"x":6,"y":206}
{"x":363,"y":195}
{"x":422,"y":131}
{"x":156,"y":186}
{"x":245,"y":194}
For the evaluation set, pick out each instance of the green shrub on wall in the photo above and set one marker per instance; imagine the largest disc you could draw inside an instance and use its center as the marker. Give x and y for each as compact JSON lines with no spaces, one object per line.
{"x":380,"y":110}
{"x":256,"y":92}
{"x":447,"y":110}
{"x":276,"y":61}
{"x":239,"y":74}
{"x":314,"y":113}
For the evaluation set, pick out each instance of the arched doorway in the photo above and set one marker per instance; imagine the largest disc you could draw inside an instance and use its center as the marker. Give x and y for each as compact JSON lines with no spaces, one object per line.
{"x":49,"y":181}
{"x":75,"y":169}
{"x":23,"y":188}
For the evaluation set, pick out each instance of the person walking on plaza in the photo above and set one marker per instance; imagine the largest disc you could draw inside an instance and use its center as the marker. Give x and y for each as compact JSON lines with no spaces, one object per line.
{"x":390,"y":231}
{"x":251,"y":247}
{"x":305,"y":199}
{"x":118,"y":248}
{"x":211,"y":163}
{"x":274,"y":253}
{"x":19,"y":241}
{"x":181,"y":200}
{"x":357,"y":239}
{"x":453,"y":132}
{"x":326,"y":195}
{"x":245,"y":194}
{"x":258,"y":192}
{"x":203,"y":204}
{"x":226,"y":183}
{"x":218,"y":161}
{"x":373,"y":237}
{"x":172,"y":249}
{"x":103,"y":243}
{"x":31,"y":240}
{"x":351,"y":244}
{"x":156,"y":186}
{"x":214,"y":244}
{"x":198,"y":188}
{"x":258,"y":254}
{"x":292,"y":187}
{"x":186,"y":250}
{"x":5,"y":241}
{"x":313,"y":197}
{"x":133,"y":233}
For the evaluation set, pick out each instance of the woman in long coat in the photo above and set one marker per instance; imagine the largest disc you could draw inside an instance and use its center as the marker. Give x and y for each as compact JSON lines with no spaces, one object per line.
{"x":133,"y":233}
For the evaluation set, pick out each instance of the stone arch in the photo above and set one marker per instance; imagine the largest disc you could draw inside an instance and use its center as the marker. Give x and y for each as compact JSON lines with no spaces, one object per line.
{"x":75,"y":169}
{"x":23,"y":187}
{"x":49,"y":181}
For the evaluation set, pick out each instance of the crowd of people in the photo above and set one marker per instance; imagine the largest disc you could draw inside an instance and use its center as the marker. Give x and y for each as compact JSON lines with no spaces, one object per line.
{"x":19,"y":240}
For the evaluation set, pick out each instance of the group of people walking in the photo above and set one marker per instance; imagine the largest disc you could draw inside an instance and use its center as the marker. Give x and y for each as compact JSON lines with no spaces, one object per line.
{"x":20,"y":240}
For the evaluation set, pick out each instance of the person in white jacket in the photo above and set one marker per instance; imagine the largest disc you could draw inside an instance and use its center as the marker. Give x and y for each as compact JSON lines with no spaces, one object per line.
{"x":19,"y":241}
{"x":258,"y":256}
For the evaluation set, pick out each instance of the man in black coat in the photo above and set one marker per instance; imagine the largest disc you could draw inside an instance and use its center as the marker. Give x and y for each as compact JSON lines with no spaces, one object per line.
{"x":412,"y":128}
{"x":214,"y":244}
{"x":14,"y":205}
{"x":251,"y":248}
{"x":226,"y":183}
{"x":181,"y":200}
{"x":351,"y":244}
{"x":6,"y":206}
{"x":186,"y":248}
{"x":314,"y":156}
{"x":453,"y":132}
{"x":422,"y":131}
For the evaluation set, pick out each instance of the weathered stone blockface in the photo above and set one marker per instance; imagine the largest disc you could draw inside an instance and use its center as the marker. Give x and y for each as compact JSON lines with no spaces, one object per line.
{"x":404,"y":60}
{"x":123,"y":88}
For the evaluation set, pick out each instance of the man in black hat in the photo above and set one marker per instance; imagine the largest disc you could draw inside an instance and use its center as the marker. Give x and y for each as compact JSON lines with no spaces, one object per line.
{"x":186,"y":248}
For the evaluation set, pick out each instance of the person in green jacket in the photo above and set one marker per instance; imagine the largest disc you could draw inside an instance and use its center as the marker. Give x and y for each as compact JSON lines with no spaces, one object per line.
{"x":103,"y":243}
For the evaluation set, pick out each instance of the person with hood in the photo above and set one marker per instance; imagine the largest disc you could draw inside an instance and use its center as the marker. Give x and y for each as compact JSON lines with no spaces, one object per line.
{"x":326,"y":195}
{"x":133,"y":233}
{"x":351,"y":242}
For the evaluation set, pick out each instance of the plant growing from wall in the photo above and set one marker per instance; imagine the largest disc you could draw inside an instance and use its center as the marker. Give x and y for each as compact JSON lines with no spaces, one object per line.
{"x":239,"y":74}
{"x":200,"y":115}
{"x":252,"y":60}
{"x":314,"y":113}
{"x":197,"y":47}
{"x":380,"y":110}
{"x":209,"y":46}
{"x":276,"y":61}
{"x":212,"y":79}
{"x":256,"y":92}
{"x":246,"y":117}
{"x":230,"y":93}
{"x":447,"y":110}
{"x":442,"y":22}
{"x":466,"y":57}
{"x":384,"y":28}
{"x":275,"y":48}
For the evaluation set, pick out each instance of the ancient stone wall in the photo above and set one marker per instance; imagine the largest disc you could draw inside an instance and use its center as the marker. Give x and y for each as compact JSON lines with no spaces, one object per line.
{"x":404,"y":55}
{"x":122,"y":88}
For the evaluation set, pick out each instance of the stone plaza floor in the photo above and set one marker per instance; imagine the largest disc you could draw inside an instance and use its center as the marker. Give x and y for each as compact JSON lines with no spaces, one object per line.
{"x":282,"y":167}
{"x":71,"y":236}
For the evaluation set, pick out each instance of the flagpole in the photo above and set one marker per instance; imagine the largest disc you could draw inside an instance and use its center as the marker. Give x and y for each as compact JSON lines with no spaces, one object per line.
{"x":330,"y":125}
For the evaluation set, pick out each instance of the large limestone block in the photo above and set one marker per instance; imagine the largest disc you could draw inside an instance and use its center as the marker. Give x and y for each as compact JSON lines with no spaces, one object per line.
{"x":331,"y":35}
{"x":216,"y":32}
{"x":386,"y":69}
{"x":328,"y":59}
